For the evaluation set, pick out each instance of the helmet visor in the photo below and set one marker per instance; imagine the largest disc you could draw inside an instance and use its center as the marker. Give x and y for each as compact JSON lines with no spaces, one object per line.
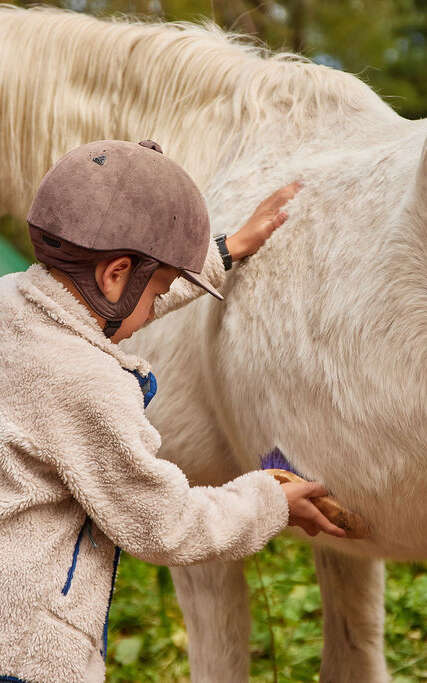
{"x":201,"y":281}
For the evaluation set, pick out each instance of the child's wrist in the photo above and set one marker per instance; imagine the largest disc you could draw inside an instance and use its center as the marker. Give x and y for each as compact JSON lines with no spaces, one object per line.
{"x":236,"y":247}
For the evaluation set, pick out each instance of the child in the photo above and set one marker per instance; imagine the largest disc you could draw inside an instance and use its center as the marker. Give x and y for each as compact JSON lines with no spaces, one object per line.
{"x":114,"y":224}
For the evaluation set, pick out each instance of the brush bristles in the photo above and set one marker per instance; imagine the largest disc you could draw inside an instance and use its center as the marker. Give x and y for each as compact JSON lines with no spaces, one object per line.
{"x":275,"y":460}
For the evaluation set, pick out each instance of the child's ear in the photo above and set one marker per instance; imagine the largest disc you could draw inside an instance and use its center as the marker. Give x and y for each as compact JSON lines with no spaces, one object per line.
{"x":112,"y":276}
{"x":119,"y":268}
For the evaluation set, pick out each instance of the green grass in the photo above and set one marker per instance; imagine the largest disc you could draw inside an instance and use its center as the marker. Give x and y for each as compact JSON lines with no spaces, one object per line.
{"x":148,"y":642}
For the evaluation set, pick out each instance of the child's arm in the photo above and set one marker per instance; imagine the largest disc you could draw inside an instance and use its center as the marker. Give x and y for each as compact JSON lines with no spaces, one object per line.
{"x":266,"y":218}
{"x":105,"y":453}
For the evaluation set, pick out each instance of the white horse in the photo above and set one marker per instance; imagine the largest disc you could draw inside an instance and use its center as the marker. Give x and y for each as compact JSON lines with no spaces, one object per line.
{"x":320,"y":344}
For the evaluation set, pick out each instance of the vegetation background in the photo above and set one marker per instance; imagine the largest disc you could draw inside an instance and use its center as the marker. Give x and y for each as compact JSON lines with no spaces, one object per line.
{"x":385,"y":43}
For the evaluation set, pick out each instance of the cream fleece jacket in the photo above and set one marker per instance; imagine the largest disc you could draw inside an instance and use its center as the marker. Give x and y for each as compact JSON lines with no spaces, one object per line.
{"x":79,"y":479}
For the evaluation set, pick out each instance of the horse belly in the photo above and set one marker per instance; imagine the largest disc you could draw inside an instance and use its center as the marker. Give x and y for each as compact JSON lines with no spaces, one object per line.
{"x":261,"y":399}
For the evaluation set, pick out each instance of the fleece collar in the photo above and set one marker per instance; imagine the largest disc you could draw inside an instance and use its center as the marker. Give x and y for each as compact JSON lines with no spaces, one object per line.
{"x":39,"y":287}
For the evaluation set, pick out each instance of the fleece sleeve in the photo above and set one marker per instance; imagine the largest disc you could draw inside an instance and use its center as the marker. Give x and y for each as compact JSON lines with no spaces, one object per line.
{"x":107,"y":459}
{"x":182,"y":291}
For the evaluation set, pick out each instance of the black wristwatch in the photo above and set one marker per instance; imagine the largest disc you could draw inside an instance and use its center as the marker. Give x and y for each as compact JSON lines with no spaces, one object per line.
{"x":225,"y":254}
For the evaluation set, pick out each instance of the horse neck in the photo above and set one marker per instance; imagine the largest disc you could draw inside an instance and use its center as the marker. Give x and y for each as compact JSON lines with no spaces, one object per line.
{"x":208,"y":100}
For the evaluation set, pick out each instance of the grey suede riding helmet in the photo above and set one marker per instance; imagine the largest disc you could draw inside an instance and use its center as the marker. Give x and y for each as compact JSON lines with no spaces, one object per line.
{"x":109,"y":198}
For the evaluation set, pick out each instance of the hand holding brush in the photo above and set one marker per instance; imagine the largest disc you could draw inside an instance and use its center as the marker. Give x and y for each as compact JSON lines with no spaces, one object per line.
{"x":310,"y":506}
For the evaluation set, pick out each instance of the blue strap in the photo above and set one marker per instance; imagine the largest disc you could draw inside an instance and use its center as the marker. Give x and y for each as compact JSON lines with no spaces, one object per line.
{"x":67,"y":584}
{"x":117,"y":552}
{"x":147,"y":383}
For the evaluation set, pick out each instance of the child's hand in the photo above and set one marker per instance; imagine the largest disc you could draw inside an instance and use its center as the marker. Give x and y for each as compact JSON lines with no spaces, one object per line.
{"x":303,"y":513}
{"x":265,"y":219}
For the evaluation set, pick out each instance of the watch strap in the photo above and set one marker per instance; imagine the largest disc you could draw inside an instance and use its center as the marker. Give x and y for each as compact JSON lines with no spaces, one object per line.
{"x":225,"y":254}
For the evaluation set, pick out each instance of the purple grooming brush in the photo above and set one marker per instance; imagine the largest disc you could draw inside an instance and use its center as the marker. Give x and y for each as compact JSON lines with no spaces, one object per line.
{"x":275,"y":460}
{"x":351,"y":522}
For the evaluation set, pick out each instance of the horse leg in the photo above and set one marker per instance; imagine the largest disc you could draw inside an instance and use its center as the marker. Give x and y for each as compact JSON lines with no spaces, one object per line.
{"x":353,"y":618}
{"x":214,"y":601}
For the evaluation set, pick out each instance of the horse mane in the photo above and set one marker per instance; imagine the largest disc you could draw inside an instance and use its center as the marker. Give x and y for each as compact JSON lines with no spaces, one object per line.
{"x":203,"y":93}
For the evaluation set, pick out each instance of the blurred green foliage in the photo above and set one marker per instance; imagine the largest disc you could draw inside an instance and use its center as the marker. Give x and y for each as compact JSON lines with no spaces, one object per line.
{"x":15,"y":232}
{"x":148,"y":642}
{"x":11,"y":260}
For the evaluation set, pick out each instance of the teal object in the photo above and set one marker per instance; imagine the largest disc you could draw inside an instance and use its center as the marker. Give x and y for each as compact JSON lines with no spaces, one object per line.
{"x":11,"y":260}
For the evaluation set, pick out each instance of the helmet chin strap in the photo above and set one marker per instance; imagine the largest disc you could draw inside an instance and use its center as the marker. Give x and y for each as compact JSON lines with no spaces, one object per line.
{"x":111,"y":326}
